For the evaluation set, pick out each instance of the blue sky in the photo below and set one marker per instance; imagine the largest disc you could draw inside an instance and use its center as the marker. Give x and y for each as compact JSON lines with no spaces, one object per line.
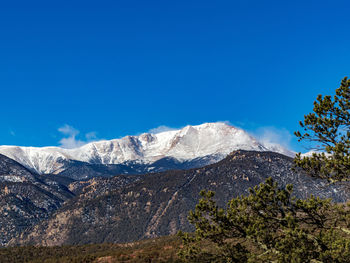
{"x":113,"y":68}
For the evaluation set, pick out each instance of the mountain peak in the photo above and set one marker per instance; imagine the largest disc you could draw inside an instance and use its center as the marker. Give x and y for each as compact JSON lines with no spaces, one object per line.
{"x":208,"y":139}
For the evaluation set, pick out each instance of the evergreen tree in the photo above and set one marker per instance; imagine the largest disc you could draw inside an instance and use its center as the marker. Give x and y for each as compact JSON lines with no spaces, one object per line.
{"x":329,"y":127}
{"x":268,"y":226}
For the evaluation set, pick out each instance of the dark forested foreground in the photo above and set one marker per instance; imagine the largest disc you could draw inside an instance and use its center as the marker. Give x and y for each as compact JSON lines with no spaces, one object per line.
{"x":162,"y":249}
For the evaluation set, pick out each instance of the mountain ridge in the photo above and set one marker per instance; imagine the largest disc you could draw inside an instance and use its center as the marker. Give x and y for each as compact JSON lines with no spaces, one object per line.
{"x":124,"y":209}
{"x":186,"y":144}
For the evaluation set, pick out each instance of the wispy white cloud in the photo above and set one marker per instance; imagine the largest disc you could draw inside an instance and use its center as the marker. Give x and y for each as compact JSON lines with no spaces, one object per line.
{"x":160,"y":129}
{"x":90,"y":136}
{"x":68,"y":130}
{"x":70,"y":140}
{"x":272,"y":136}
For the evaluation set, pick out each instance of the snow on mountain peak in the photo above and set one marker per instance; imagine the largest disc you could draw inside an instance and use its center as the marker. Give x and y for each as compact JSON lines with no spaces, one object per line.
{"x":188,"y":143}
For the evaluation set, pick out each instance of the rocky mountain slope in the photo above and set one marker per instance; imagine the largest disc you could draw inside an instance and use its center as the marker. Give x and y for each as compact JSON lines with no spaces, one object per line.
{"x":83,"y":171}
{"x":157,"y":204}
{"x":192,"y":146}
{"x":26,"y":198}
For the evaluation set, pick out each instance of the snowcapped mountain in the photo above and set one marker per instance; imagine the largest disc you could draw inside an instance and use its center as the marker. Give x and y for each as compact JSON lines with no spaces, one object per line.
{"x":214,"y":140}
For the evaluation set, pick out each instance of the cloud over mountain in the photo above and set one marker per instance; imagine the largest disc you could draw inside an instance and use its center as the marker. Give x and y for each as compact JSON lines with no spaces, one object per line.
{"x":70,"y":140}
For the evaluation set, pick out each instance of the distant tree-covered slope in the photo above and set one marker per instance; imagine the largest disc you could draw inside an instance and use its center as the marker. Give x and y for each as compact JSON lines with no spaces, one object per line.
{"x":159,"y":250}
{"x":26,"y":198}
{"x":117,"y":210}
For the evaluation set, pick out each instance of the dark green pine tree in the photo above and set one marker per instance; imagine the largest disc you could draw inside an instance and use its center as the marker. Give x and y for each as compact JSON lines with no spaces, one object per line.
{"x":269,"y":225}
{"x":328,"y":126}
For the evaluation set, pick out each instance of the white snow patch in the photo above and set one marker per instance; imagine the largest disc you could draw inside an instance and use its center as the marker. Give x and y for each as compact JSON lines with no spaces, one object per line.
{"x":187,"y":143}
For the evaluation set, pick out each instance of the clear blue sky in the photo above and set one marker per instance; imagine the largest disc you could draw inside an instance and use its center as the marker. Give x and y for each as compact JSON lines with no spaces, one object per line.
{"x":124,"y":67}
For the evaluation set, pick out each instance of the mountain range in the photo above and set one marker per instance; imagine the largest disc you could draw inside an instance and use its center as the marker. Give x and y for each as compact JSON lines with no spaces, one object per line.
{"x":136,"y":187}
{"x":189,"y":147}
{"x":125,"y":209}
